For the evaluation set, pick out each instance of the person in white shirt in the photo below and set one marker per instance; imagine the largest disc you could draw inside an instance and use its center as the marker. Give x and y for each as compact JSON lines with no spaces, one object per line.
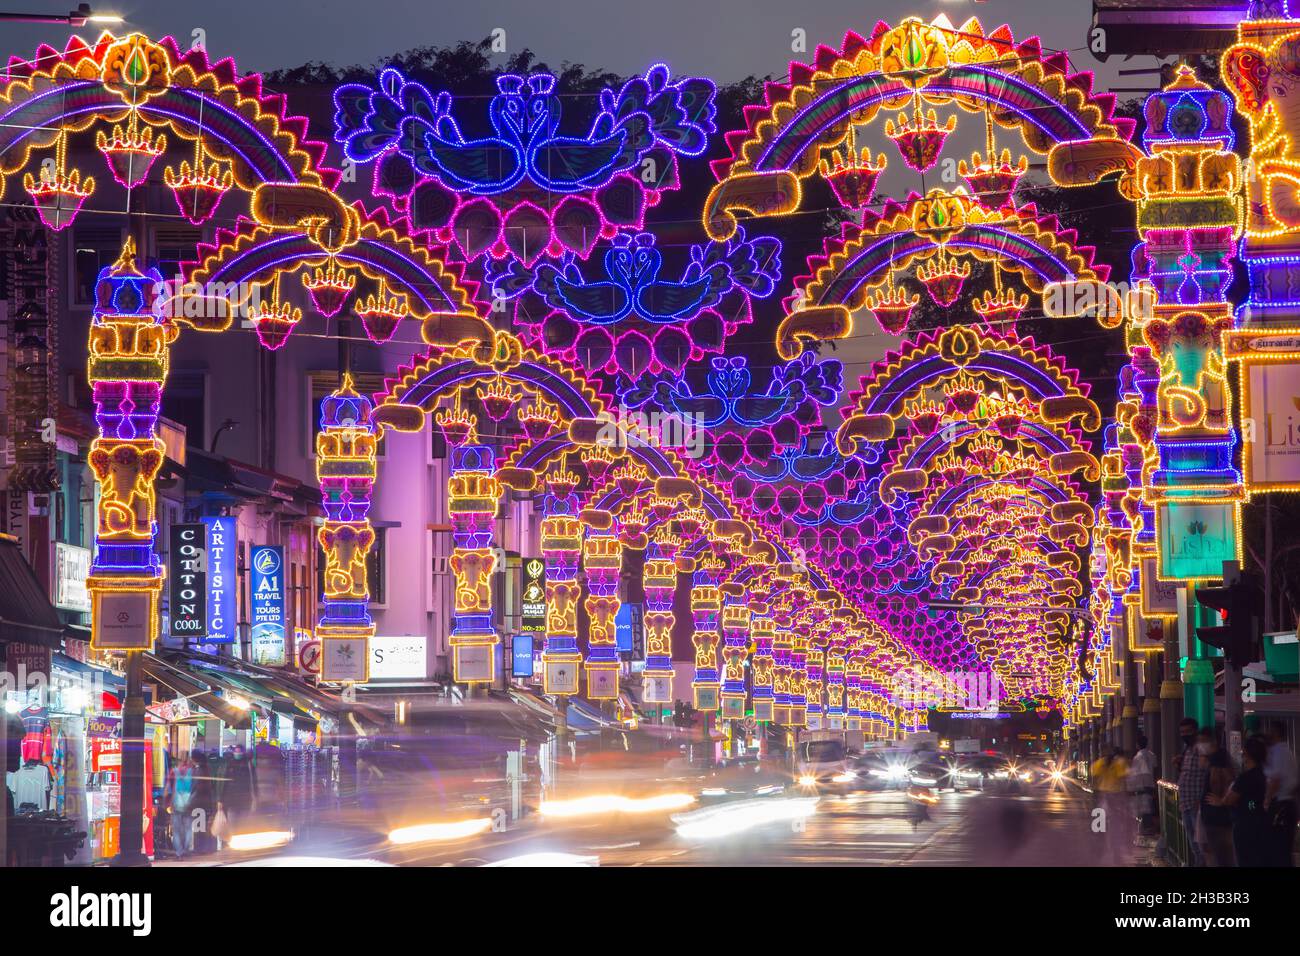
{"x":1280,"y":793}
{"x":1142,"y":785}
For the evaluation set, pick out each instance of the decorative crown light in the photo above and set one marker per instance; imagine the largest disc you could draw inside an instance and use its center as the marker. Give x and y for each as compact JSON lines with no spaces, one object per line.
{"x":629,"y":477}
{"x":498,"y":398}
{"x":198,"y":190}
{"x":853,"y":180}
{"x":380,"y":314}
{"x":1008,"y":414}
{"x":690,"y":521}
{"x":992,"y":179}
{"x":1001,"y":310}
{"x":963,"y":392}
{"x":329,"y":287}
{"x":924,"y":415}
{"x":538,"y":419}
{"x":943,"y":277}
{"x":562,"y":481}
{"x":951,"y":468}
{"x":456,"y":423}
{"x":985,"y":450}
{"x":919,"y":138}
{"x":663,"y":508}
{"x":130,"y":151}
{"x":274,"y":320}
{"x":892,"y":308}
{"x":597,"y":460}
{"x":59,"y":192}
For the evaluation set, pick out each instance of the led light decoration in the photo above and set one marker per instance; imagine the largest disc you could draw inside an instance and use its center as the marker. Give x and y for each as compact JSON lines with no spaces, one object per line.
{"x":274,"y":320}
{"x":736,"y":615}
{"x":198,"y":188}
{"x":706,"y":612}
{"x":129,"y":357}
{"x":659,"y":579}
{"x":943,"y":277}
{"x":992,"y":179}
{"x":763,"y":633}
{"x":329,"y":288}
{"x":58,"y":192}
{"x":380,"y":314}
{"x":892,"y":308}
{"x":602,"y":560}
{"x":473,"y":494}
{"x":561,"y":545}
{"x":920,"y":138}
{"x":498,"y":399}
{"x":851,"y":175}
{"x":130,"y":152}
{"x":346,"y":465}
{"x":415,"y":140}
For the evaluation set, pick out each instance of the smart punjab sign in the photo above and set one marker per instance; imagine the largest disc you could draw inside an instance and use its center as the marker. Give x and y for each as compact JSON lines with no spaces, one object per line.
{"x":532,"y":602}
{"x":266,"y":583}
{"x":188,"y":577}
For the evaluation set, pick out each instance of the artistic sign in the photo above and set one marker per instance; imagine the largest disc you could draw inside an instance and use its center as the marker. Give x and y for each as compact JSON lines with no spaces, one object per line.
{"x":222,"y":580}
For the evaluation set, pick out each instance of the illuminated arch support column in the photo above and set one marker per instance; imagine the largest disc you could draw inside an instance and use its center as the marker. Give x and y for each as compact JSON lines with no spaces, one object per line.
{"x":835,"y":676}
{"x":602,"y":560}
{"x":799,"y":675}
{"x":815,"y":688}
{"x":561,"y":548}
{"x":763,"y":632}
{"x":473,"y":493}
{"x":659,"y":579}
{"x":706,"y":610}
{"x":783,"y":665}
{"x":853,"y":694}
{"x":346,"y":469}
{"x":736,"y":617}
{"x":129,"y":355}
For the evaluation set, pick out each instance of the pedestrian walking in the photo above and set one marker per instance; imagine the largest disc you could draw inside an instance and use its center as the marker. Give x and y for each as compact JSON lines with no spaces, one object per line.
{"x":1280,"y":794}
{"x":1191,"y":789}
{"x":1216,"y":819}
{"x":1245,"y":802}
{"x":180,"y":800}
{"x":1142,"y":786}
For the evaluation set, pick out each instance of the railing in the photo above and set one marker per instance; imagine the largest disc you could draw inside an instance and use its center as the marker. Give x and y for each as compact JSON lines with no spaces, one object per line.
{"x":1171,"y":822}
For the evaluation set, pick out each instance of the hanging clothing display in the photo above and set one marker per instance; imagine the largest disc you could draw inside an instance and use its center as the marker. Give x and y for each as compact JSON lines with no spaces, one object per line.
{"x":36,"y":732}
{"x":31,"y":786}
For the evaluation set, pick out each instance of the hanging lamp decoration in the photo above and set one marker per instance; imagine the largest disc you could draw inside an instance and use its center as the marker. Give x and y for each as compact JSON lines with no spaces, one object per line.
{"x":275,"y":320}
{"x":943,"y":277}
{"x":852,"y":175}
{"x":919,"y":138}
{"x":498,"y":398}
{"x":59,"y":192}
{"x":892,"y":306}
{"x":329,"y":288}
{"x":456,"y":423}
{"x":538,"y":419}
{"x":380,"y":313}
{"x":130,"y":151}
{"x":197,"y":188}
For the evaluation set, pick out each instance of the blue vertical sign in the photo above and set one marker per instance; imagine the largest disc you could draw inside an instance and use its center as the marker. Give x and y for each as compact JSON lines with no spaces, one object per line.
{"x":222,"y":580}
{"x":521,"y":654}
{"x":267,"y":609}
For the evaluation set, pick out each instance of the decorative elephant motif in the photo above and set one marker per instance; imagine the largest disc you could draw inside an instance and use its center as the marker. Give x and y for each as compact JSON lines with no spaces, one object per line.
{"x":473,"y":570}
{"x":346,"y":548}
{"x":562,"y":607}
{"x":125,"y":472}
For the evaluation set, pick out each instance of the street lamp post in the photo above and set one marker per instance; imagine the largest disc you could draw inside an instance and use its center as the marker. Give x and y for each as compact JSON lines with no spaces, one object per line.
{"x":74,"y":18}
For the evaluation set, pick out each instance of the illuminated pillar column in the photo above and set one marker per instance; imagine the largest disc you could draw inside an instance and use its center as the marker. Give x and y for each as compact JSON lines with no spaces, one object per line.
{"x":473,"y":495}
{"x":763,"y":632}
{"x":602,"y":560}
{"x":815,"y":687}
{"x":783,"y":665}
{"x":735,"y":648}
{"x":853,"y":694}
{"x":835,"y":677}
{"x":561,"y":547}
{"x":659,"y":579}
{"x":799,"y":676}
{"x":346,"y":469}
{"x":706,"y":609}
{"x":129,"y":354}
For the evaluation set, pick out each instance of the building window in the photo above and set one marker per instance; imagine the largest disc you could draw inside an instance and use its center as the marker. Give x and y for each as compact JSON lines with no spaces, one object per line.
{"x":185,"y":402}
{"x":173,"y":245}
{"x":93,"y":248}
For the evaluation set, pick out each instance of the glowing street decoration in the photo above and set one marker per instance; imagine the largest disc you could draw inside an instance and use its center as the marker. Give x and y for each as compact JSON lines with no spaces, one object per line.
{"x":129,"y":357}
{"x":735,"y":649}
{"x":473,"y":494}
{"x":659,"y":578}
{"x":706,"y":614}
{"x":602,"y":560}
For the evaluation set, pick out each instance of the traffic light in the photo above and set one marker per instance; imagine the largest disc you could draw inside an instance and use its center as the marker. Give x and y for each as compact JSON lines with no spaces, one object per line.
{"x":1241,"y":604}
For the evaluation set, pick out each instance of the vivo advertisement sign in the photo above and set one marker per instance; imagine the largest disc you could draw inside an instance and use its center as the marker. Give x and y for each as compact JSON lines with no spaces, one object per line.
{"x":268,"y":613}
{"x":222,"y":580}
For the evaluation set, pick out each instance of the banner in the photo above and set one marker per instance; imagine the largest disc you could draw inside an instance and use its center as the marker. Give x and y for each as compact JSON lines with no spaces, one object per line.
{"x":532,"y":605}
{"x":187,"y":581}
{"x":71,"y":567}
{"x":222,"y":580}
{"x":1195,"y":538}
{"x":629,"y":631}
{"x":521,"y":655}
{"x":267,"y":606}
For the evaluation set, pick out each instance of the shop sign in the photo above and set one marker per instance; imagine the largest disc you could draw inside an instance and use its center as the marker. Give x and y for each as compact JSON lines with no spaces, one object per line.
{"x":103,"y":726}
{"x":266,"y":583}
{"x":1195,"y":538}
{"x":629,"y":631}
{"x":124,"y":620}
{"x":521,"y":655}
{"x":221,"y":579}
{"x":1159,"y":598}
{"x":399,"y":658}
{"x":170,"y":711}
{"x":532,"y":606}
{"x":474,"y":662}
{"x":71,"y":567}
{"x":344,"y":659}
{"x":187,"y":581}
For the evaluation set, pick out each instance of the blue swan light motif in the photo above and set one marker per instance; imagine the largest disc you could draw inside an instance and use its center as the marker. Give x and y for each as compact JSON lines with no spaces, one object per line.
{"x":648,"y":112}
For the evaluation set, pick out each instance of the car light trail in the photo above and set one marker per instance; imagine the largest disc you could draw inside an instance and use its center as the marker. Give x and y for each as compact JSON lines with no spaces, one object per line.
{"x":614,"y":803}
{"x":734,"y":818}
{"x":430,"y":832}
{"x":264,"y":840}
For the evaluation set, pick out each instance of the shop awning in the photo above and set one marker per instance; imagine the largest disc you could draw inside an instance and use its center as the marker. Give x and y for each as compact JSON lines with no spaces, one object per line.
{"x":26,"y":614}
{"x":198,"y":692}
{"x":585,"y":716}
